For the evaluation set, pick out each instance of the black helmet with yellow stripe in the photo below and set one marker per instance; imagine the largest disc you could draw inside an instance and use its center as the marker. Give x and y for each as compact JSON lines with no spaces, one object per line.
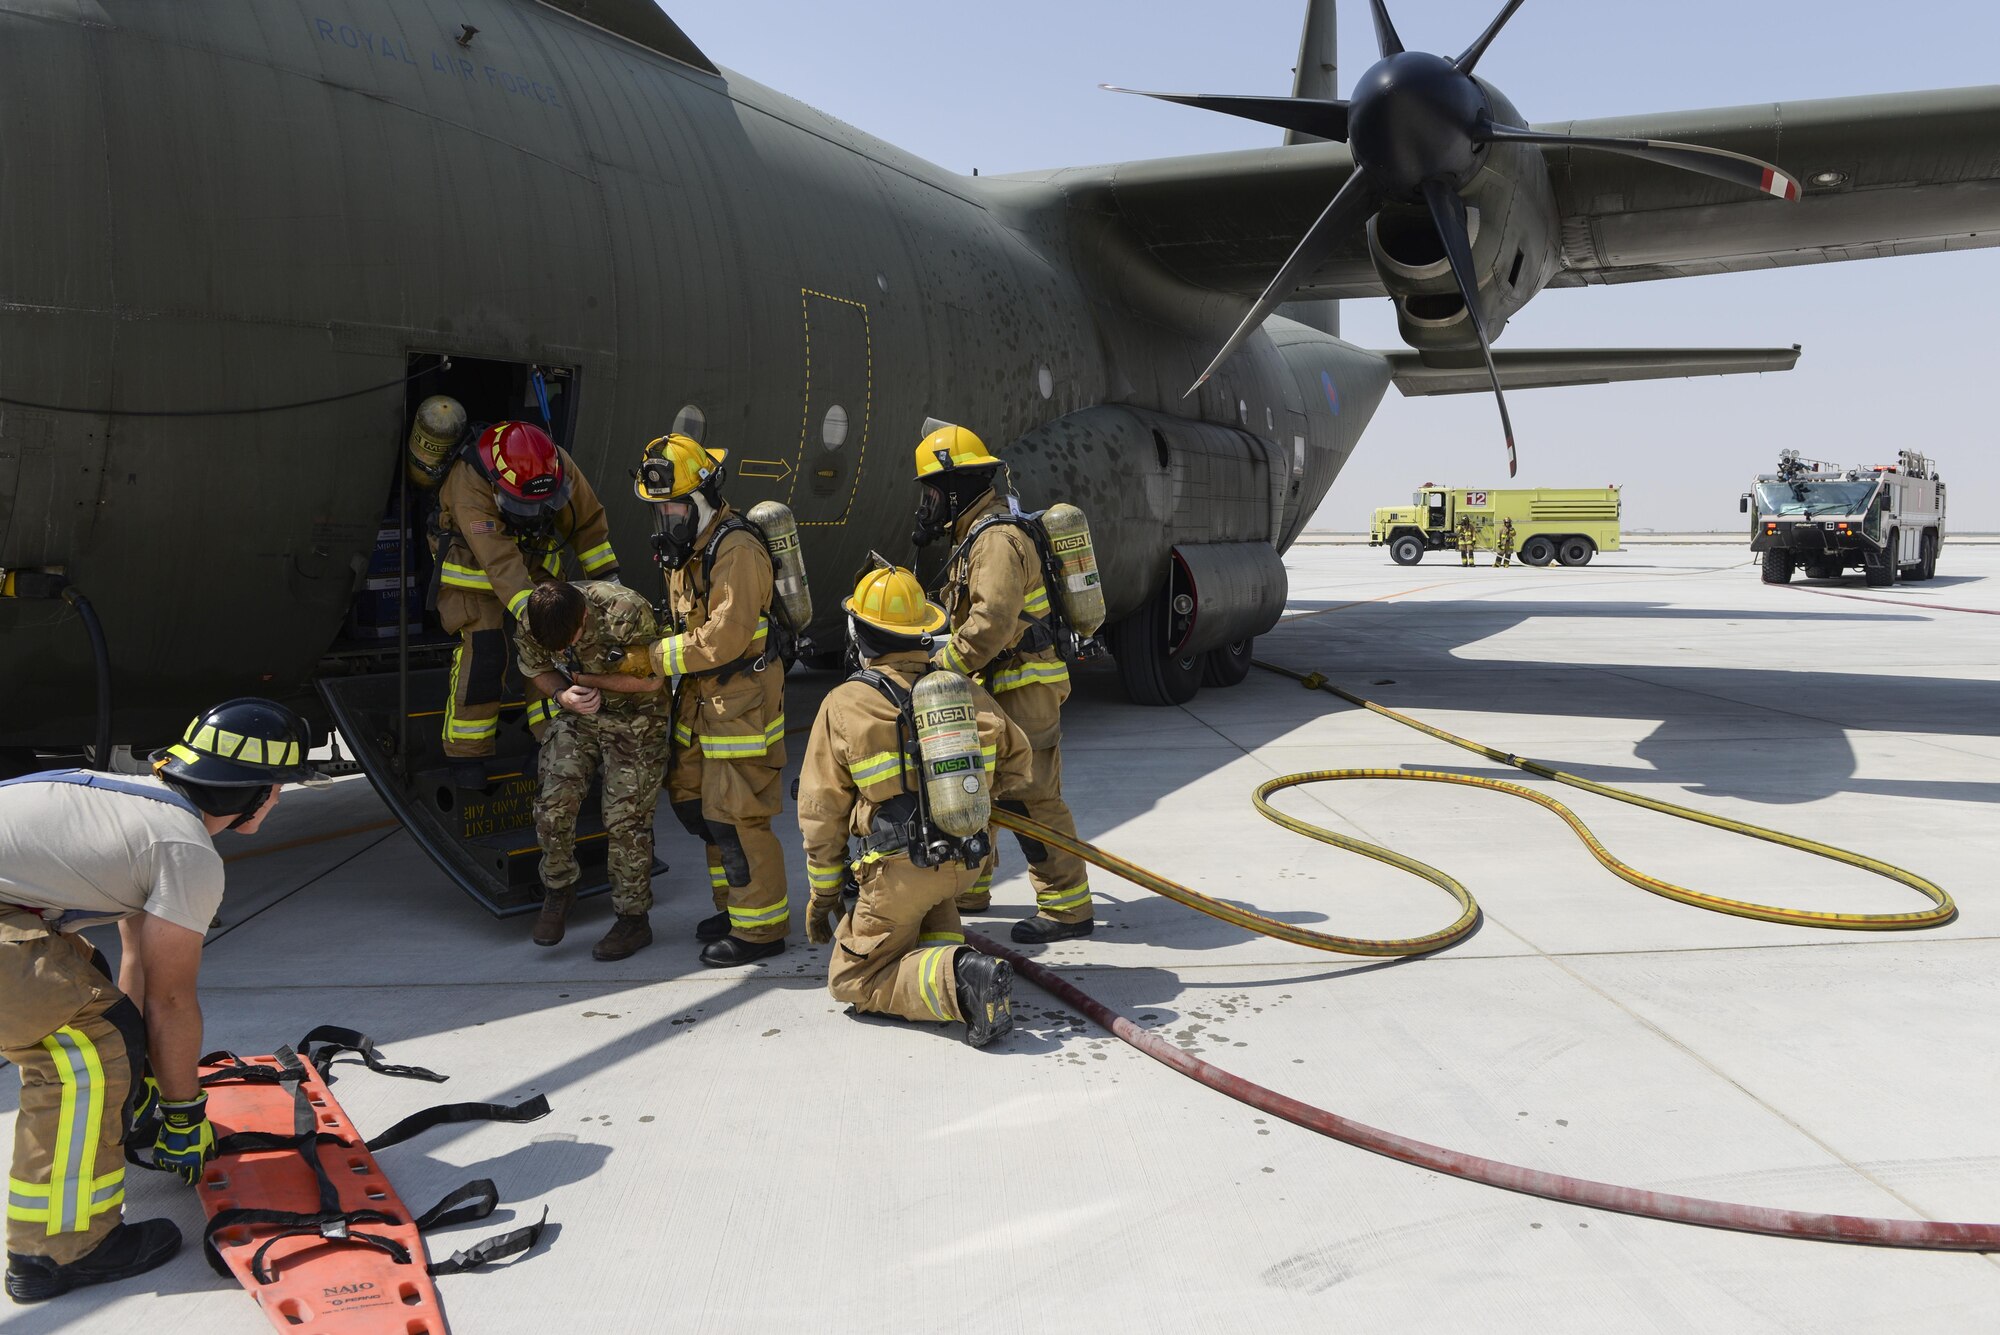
{"x":242,"y":743}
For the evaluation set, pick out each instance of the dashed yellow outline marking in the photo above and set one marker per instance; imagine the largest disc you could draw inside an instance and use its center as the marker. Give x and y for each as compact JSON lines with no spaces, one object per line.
{"x":806,"y":294}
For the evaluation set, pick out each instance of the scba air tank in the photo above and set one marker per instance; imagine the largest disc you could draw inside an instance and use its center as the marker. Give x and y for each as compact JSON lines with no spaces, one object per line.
{"x":955,"y":784}
{"x":1081,"y":593}
{"x":789,"y":589}
{"x":434,"y":437}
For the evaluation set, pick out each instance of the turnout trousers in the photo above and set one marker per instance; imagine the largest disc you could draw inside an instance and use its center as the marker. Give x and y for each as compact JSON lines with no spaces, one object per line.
{"x":1061,"y":880}
{"x":894,"y":954}
{"x":80,"y":1046}
{"x":726,"y":783}
{"x":629,"y":751}
{"x":479,"y":673}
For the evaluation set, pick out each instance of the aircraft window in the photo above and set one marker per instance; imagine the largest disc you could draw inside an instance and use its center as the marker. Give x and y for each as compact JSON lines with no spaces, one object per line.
{"x":1160,"y":447}
{"x":690,"y":422}
{"x":833,"y":431}
{"x":1045,"y":382}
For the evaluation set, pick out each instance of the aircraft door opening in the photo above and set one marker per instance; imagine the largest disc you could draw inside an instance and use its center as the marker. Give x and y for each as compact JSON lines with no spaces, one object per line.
{"x":819,"y":481}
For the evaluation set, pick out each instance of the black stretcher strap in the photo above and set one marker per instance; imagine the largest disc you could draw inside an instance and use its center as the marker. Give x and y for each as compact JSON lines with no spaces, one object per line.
{"x":333,"y":1040}
{"x":334,"y":1226}
{"x":527,"y":1110}
{"x":492,"y":1249}
{"x":470,"y":1203}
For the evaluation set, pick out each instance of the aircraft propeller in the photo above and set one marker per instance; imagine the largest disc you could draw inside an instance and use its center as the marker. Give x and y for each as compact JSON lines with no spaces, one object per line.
{"x":1417,"y":125}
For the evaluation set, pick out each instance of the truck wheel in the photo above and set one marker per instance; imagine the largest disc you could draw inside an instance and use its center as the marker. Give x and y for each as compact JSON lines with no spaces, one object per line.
{"x":1406,"y":549}
{"x":1777,"y":567}
{"x":1926,"y":558}
{"x":1879,"y":568}
{"x":1934,"y":542}
{"x":1538,"y":551}
{"x":1575,"y":551}
{"x":1227,"y":666}
{"x":1151,"y":675}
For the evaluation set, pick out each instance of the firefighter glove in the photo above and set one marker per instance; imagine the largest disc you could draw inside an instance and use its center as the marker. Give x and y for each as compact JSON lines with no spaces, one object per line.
{"x":820,"y":911}
{"x":187,"y":1138}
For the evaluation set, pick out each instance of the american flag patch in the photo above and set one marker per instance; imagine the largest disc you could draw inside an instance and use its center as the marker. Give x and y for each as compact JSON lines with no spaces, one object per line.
{"x":482,"y":526}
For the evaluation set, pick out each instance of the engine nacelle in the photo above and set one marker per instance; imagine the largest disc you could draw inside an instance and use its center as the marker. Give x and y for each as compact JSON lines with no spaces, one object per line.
{"x":1511,"y":215}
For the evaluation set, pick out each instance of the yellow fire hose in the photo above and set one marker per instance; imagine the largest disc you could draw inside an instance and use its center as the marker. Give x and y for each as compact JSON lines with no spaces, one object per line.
{"x":1943,"y":910}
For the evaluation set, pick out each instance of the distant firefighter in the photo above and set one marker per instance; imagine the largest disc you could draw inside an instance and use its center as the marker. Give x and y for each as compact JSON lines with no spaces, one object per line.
{"x":1467,"y":536}
{"x":1503,"y":547}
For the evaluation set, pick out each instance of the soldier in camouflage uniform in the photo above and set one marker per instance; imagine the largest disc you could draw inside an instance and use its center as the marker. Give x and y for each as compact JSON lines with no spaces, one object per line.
{"x":615,"y":718}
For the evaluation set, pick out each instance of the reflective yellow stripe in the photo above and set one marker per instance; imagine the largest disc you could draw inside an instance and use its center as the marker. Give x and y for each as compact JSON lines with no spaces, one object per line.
{"x":823,"y":878}
{"x":464,"y":577}
{"x":1036,"y":603}
{"x":598,"y":557}
{"x":769,"y":916}
{"x":875,"y":768}
{"x":517,"y":604}
{"x":673,"y":655}
{"x":73,"y":1166}
{"x":941,"y":939}
{"x":717,"y":877}
{"x":541,"y":711}
{"x":742,"y":746}
{"x":983,"y":884}
{"x":989,"y":756}
{"x":682,"y":737}
{"x":931,"y":972}
{"x":950,"y":658}
{"x":1029,"y":674}
{"x":1076,"y":897}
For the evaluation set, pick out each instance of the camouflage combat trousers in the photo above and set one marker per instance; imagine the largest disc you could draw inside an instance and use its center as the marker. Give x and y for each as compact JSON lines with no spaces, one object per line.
{"x":630,"y":751}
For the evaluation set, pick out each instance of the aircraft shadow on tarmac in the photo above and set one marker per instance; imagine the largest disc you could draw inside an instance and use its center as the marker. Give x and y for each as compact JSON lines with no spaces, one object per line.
{"x":1768,"y":735}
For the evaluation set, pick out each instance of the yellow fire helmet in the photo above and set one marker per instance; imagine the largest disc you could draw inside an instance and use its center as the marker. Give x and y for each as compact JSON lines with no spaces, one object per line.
{"x":673,"y":466}
{"x":951,"y":447}
{"x":890,"y":598}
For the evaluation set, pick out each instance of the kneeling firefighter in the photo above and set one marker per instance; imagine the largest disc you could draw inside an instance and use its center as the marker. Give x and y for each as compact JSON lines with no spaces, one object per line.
{"x":904,"y":757}
{"x":1002,"y":633}
{"x":508,"y":506}
{"x":726,"y":777}
{"x":588,"y":647}
{"x":109,"y":1066}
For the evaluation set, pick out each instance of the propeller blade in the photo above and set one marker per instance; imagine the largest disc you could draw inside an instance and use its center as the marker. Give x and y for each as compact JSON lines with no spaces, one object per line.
{"x":1386,"y":41}
{"x":1349,"y":205}
{"x":1448,"y":212}
{"x":1478,"y":48}
{"x":1325,"y":118}
{"x":1736,"y":168}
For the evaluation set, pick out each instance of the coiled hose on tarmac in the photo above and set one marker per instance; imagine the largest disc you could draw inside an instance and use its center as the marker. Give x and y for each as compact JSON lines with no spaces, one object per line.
{"x":1922,"y":1234}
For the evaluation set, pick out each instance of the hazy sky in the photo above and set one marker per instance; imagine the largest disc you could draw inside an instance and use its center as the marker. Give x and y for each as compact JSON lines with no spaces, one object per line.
{"x":1897,"y":352}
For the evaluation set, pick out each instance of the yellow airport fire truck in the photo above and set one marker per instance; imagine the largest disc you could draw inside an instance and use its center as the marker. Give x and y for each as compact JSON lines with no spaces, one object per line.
{"x":1563,"y":524}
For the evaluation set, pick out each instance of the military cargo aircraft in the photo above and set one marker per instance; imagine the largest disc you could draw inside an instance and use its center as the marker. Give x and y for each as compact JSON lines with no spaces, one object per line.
{"x":247,"y":237}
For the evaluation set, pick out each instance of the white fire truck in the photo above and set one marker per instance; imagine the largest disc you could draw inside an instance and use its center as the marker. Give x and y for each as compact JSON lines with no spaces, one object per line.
{"x":1887,"y":519}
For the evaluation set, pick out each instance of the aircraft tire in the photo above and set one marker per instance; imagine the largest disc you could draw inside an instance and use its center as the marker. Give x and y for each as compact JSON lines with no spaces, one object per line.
{"x":1575,"y":551}
{"x":1537,"y":551}
{"x":1227,"y":666}
{"x":1407,"y":549}
{"x":1777,"y":567}
{"x":1151,"y":675}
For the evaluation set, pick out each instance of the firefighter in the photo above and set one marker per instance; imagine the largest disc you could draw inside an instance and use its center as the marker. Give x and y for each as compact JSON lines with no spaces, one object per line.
{"x":512,"y":501}
{"x":1467,"y":536}
{"x":1503,"y":547}
{"x":999,"y":606}
{"x":109,"y":1064}
{"x":725,"y":779}
{"x":580,"y":644}
{"x":901,"y":951}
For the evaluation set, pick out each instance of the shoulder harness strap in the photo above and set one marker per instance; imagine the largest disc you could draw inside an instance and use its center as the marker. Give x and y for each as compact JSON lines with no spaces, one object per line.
{"x":83,"y":778}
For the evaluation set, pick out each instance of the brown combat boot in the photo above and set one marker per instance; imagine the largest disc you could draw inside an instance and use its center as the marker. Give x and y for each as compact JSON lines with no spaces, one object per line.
{"x":555,"y":912}
{"x":630,"y":933}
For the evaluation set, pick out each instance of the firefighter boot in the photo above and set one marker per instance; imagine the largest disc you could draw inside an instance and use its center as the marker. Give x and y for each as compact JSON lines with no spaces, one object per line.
{"x":555,"y":913}
{"x":129,"y":1249}
{"x":629,"y":934}
{"x":985,"y":996}
{"x":733,"y":950}
{"x":1040,"y":930}
{"x":712,"y":928}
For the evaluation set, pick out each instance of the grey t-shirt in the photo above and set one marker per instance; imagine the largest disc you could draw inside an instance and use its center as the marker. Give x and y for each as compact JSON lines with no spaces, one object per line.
{"x":106,"y":855}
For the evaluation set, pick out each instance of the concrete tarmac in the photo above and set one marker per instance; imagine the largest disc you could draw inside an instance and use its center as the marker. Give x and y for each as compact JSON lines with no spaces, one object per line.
{"x":731,"y":1151}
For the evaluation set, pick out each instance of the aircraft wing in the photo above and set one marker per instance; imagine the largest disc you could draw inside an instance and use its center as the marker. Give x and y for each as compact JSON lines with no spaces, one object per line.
{"x":1896,"y":174}
{"x":1543,"y":368}
{"x":1915,"y":172}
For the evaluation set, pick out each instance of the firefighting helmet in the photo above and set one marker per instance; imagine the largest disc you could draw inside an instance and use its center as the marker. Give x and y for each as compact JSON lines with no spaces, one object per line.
{"x":890,"y":598}
{"x":950,"y":448}
{"x":529,"y":480}
{"x":674,"y":466}
{"x":242,"y":743}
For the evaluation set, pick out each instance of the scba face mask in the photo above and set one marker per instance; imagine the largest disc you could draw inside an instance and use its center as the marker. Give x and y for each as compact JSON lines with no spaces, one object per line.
{"x":676,"y":525}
